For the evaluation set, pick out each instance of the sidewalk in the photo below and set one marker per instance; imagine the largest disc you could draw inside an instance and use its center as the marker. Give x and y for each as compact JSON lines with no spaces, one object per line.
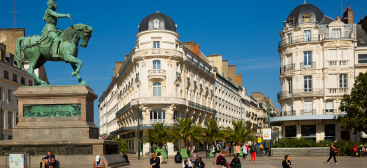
{"x":262,"y":162}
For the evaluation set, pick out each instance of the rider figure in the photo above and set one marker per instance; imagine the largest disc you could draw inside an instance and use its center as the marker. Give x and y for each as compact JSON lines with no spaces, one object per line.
{"x":50,"y":29}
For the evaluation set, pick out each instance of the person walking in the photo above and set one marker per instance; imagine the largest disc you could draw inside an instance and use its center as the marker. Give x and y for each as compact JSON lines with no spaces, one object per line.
{"x":194,"y":157}
{"x":332,"y":153}
{"x":207,"y":150}
{"x":237,"y":149}
{"x":214,"y":150}
{"x":244,"y":151}
{"x":286,"y":162}
{"x":227,"y":150}
{"x":188,"y":151}
{"x":253,"y":152}
{"x":230,"y":149}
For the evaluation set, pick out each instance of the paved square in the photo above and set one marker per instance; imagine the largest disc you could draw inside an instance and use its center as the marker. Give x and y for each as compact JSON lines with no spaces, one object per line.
{"x":264,"y":162}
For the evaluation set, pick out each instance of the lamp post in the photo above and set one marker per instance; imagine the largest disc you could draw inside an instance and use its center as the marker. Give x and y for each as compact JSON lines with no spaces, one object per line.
{"x":138,"y":132}
{"x":269,"y":126}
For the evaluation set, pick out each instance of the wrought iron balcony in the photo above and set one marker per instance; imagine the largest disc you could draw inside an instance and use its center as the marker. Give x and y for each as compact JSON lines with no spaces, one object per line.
{"x":201,"y":107}
{"x":312,"y":65}
{"x":289,"y":113}
{"x":298,"y":39}
{"x":301,"y":93}
{"x":330,"y":112}
{"x":308,"y":112}
{"x":127,"y":106}
{"x":288,"y":67}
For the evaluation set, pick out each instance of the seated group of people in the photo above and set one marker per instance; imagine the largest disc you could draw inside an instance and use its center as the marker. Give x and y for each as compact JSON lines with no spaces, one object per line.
{"x":49,"y":161}
{"x":220,"y":160}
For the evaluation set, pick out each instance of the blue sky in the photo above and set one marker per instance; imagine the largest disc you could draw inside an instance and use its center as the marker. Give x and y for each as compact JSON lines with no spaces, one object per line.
{"x":245,"y":32}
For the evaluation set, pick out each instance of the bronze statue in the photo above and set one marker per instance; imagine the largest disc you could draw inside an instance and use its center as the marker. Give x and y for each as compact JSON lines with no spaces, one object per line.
{"x":53,"y":46}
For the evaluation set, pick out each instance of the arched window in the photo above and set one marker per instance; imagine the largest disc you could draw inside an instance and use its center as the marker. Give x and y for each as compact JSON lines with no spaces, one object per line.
{"x":156,"y":24}
{"x":156,"y":89}
{"x":157,"y":116}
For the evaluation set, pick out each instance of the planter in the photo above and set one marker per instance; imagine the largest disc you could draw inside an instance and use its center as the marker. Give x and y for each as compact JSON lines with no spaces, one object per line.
{"x":164,"y":153}
{"x":301,"y":152}
{"x":184,"y":153}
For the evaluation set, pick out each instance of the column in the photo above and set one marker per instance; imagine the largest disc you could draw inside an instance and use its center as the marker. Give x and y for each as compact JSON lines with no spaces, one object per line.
{"x":171,"y":150}
{"x":299,"y":133}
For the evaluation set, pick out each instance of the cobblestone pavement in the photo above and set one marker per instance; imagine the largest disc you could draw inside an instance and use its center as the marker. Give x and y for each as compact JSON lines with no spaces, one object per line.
{"x":264,"y":162}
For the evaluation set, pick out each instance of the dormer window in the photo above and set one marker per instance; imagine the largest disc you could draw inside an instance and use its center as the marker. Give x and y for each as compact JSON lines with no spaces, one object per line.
{"x":156,"y":24}
{"x":307,"y":18}
{"x":291,"y":20}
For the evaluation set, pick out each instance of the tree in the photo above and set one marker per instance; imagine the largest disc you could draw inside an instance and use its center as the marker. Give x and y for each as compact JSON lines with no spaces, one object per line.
{"x":186,"y":129}
{"x":355,"y":106}
{"x":160,"y":134}
{"x":213,"y":132}
{"x":123,"y":144}
{"x":239,"y":133}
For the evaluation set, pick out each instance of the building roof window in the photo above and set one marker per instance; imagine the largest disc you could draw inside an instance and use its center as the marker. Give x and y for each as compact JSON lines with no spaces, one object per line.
{"x":156,"y":24}
{"x":306,"y":18}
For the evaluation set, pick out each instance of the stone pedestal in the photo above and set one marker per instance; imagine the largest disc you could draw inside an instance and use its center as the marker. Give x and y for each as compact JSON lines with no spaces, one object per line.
{"x":171,"y":150}
{"x":59,"y":119}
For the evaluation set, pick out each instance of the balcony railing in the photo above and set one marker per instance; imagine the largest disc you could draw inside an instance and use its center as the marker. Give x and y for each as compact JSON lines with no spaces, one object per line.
{"x":160,"y":73}
{"x":308,"y":112}
{"x":202,"y":107}
{"x":301,"y":93}
{"x":312,"y":65}
{"x":298,"y":39}
{"x":123,"y":109}
{"x":337,"y":36}
{"x":330,"y":112}
{"x":288,"y":67}
{"x":332,"y":63}
{"x":337,"y":91}
{"x":289,"y":113}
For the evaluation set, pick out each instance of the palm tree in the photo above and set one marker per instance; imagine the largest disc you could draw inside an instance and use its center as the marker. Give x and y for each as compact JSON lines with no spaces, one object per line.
{"x":186,"y":129}
{"x":239,"y":133}
{"x":213,"y":132}
{"x":160,"y":134}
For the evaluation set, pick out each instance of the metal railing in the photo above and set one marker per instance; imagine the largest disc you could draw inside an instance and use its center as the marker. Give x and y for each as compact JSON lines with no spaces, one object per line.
{"x":123,"y":109}
{"x":289,"y":113}
{"x":330,"y":112}
{"x":202,"y":107}
{"x":332,"y":63}
{"x":300,"y":93}
{"x":303,"y":66}
{"x":298,"y":39}
{"x":337,"y":91}
{"x":336,"y":35}
{"x":308,"y":112}
{"x":288,"y":67}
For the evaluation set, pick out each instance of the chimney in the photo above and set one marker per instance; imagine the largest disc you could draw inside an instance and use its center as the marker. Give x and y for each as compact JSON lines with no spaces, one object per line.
{"x":348,"y":16}
{"x":196,"y":49}
{"x":239,"y":79}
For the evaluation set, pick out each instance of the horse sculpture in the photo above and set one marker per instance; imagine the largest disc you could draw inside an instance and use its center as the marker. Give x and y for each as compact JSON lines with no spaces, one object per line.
{"x":38,"y":54}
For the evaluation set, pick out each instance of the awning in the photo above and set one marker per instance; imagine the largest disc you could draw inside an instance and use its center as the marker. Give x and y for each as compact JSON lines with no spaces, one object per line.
{"x":124,"y":129}
{"x":363,"y":135}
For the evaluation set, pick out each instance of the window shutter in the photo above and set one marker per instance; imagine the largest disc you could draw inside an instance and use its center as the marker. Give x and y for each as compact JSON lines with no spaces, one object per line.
{"x":345,"y":54}
{"x":332,"y":81}
{"x":332,"y":55}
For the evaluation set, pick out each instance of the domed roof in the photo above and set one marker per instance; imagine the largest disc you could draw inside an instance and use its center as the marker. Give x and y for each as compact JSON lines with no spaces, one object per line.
{"x":299,"y":12}
{"x":164,"y":22}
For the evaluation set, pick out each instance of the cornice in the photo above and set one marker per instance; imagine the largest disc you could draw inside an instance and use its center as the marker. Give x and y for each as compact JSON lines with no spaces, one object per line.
{"x":157,"y":31}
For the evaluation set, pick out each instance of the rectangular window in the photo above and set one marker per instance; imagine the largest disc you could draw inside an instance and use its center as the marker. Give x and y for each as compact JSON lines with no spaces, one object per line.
{"x":22,"y":81}
{"x":308,"y":130}
{"x":15,"y":78}
{"x":156,"y":64}
{"x":30,"y":83}
{"x":329,"y":106}
{"x":289,"y":38}
{"x":308,"y":83}
{"x":290,"y":86}
{"x":6,"y":74}
{"x":336,"y":33}
{"x":9,"y":95}
{"x":362,"y":58}
{"x":307,"y":35}
{"x":16,"y":118}
{"x":156,"y":89}
{"x":343,"y":83}
{"x":307,"y":107}
{"x":307,"y":60}
{"x":1,"y":94}
{"x":156,"y":44}
{"x":290,"y":131}
{"x":10,"y":120}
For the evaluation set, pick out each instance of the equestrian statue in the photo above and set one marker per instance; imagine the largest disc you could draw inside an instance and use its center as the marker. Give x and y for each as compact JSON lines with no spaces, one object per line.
{"x":54,"y":44}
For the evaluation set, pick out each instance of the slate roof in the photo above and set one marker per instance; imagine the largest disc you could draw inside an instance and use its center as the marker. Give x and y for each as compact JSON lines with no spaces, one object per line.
{"x":361,"y":35}
{"x":164,"y":21}
{"x":306,"y":8}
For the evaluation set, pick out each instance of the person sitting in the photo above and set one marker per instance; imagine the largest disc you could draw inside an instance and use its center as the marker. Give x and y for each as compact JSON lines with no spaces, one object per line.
{"x":178,"y":158}
{"x":194,"y":156}
{"x":126,"y":157}
{"x":161,"y":158}
{"x":235,"y":161}
{"x":98,"y":163}
{"x":200,"y":163}
{"x":54,"y":163}
{"x":221,"y":160}
{"x":154,"y":161}
{"x":186,"y":164}
{"x":46,"y":160}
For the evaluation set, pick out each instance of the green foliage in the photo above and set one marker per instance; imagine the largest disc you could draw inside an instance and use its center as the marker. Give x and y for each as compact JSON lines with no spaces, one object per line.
{"x":355,"y":106}
{"x":239,"y":133}
{"x":160,"y":134}
{"x":344,"y":145}
{"x":123,"y":144}
{"x":213,"y":132}
{"x":186,"y":129}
